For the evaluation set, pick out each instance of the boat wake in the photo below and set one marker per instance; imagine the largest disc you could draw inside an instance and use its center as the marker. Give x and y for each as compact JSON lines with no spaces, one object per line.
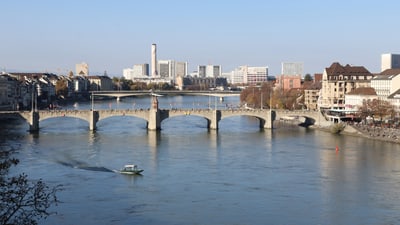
{"x":84,"y":166}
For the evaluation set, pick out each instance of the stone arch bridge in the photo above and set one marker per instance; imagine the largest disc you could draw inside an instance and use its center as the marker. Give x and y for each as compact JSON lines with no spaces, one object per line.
{"x":154,"y":117}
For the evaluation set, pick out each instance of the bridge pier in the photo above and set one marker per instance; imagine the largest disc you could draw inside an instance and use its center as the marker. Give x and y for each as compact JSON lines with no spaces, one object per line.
{"x":268,"y":123}
{"x":154,"y":122}
{"x":216,"y":117}
{"x":33,"y":121}
{"x":93,"y":119}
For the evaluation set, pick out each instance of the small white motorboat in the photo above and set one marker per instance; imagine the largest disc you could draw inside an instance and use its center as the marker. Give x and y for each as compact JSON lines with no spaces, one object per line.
{"x":131,"y":170}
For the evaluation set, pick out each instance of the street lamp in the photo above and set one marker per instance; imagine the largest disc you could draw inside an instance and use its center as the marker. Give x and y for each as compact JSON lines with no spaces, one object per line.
{"x":32,"y":105}
{"x":270,"y":100}
{"x":92,"y":101}
{"x":215,"y":97}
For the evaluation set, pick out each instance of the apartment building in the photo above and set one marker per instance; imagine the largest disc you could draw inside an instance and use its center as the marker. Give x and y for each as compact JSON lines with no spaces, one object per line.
{"x":100,"y":83}
{"x":338,"y":80}
{"x":311,"y":95}
{"x":9,"y":92}
{"x":355,"y":98}
{"x":287,"y":82}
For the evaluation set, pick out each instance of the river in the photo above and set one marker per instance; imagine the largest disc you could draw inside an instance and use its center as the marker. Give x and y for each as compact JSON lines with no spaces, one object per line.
{"x":236,"y":175}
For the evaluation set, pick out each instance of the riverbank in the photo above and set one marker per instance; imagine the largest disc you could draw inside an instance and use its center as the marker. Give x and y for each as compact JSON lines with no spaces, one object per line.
{"x":370,"y":132}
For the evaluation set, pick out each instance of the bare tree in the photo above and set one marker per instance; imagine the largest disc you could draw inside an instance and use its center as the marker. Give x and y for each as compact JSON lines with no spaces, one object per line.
{"x":376,"y":108}
{"x":23,"y":201}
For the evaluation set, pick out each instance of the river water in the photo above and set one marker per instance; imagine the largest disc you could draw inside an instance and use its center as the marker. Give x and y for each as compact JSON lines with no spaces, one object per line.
{"x":236,"y":175}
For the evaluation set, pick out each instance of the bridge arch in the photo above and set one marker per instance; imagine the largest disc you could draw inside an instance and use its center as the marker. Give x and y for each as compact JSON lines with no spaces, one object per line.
{"x":303,"y":117}
{"x":60,"y":114}
{"x":263,"y":116}
{"x":195,"y":120}
{"x":138,"y":113}
{"x":206,"y":114}
{"x":261,"y":120}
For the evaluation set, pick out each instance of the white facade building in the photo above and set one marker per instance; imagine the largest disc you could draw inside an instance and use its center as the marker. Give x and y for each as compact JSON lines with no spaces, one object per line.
{"x":209,"y":71}
{"x":256,"y":75}
{"x":355,"y":99}
{"x":250,"y":75}
{"x":292,"y":68}
{"x":390,"y":61}
{"x":387,"y":83}
{"x":138,"y":71}
{"x":238,"y":76}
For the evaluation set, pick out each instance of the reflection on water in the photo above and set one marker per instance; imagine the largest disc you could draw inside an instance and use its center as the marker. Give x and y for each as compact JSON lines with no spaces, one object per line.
{"x":236,"y":175}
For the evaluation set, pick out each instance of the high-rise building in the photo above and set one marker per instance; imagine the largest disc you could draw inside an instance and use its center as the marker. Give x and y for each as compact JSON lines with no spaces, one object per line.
{"x":170,"y":69}
{"x":166,"y":68}
{"x":82,"y":69}
{"x":250,"y":75}
{"x":137,"y":72}
{"x":256,"y":74}
{"x":181,"y":69}
{"x":292,"y":68}
{"x":209,"y":71}
{"x":390,"y":61}
{"x":154,"y":72}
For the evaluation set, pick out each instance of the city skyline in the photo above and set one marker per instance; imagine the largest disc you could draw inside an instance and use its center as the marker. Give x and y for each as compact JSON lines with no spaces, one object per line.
{"x":54,"y":36}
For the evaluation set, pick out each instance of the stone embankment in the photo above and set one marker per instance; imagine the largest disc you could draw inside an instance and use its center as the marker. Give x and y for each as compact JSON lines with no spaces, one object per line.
{"x":374,"y":132}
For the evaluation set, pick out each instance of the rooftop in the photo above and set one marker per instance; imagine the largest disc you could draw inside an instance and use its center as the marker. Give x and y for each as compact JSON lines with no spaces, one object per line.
{"x":336,"y":69}
{"x":363,"y":91}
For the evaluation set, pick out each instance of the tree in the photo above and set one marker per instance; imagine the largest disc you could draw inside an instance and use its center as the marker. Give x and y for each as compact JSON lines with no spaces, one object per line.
{"x":258,"y":97}
{"x":70,"y":74}
{"x":376,"y":107}
{"x":308,"y":77}
{"x":62,"y":87}
{"x":23,"y":201}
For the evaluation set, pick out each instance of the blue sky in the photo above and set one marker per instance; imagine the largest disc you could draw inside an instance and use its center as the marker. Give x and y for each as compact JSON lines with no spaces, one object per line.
{"x":50,"y":35}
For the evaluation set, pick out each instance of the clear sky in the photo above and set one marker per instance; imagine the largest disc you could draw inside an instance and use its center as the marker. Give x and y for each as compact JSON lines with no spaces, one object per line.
{"x":52,"y":36}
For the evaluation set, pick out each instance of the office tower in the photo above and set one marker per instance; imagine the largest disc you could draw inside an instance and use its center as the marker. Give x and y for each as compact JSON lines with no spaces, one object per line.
{"x":170,"y":69}
{"x":165,"y":68}
{"x":209,"y":71}
{"x":390,"y":61}
{"x":292,"y":68}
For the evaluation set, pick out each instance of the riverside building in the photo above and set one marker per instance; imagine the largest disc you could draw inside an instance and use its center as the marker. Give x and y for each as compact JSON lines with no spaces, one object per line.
{"x":338,"y":80}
